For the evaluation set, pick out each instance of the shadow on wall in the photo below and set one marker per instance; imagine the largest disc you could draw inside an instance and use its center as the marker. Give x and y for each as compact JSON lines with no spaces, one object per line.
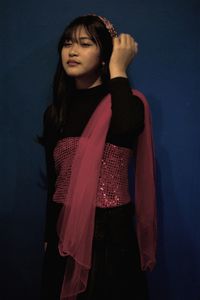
{"x":176,"y":270}
{"x":160,"y":289}
{"x":23,"y":190}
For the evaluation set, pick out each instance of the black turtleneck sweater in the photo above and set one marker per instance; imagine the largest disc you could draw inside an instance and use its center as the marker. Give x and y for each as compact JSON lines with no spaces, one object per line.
{"x":127,"y":112}
{"x":127,"y":122}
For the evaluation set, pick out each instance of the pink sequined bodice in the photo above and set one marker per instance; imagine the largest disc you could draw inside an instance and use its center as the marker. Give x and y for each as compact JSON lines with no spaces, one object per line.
{"x":112,"y":189}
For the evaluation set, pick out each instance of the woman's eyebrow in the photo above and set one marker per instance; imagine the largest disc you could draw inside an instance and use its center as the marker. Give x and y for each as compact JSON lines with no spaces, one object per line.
{"x":81,"y":38}
{"x":85,"y":38}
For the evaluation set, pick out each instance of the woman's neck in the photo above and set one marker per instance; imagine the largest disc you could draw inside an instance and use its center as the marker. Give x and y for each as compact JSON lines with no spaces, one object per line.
{"x":87,"y":83}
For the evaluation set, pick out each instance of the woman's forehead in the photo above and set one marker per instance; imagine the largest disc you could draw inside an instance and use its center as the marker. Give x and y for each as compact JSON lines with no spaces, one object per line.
{"x":79,"y":32}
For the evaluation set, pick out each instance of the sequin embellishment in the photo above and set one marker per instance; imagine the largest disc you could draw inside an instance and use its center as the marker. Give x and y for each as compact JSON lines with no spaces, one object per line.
{"x":112,"y":189}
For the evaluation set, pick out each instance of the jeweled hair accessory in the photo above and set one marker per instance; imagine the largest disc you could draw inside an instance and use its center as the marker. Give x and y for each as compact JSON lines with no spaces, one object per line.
{"x":108,"y":25}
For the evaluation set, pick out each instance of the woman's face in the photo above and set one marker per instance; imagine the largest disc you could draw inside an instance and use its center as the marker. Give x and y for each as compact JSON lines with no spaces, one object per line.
{"x":81,"y":59}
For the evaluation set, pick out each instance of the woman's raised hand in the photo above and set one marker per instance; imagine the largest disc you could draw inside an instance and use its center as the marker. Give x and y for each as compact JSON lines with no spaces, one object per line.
{"x":124,"y":50}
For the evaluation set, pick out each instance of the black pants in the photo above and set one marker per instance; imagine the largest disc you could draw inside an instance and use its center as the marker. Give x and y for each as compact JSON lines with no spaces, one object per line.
{"x":115,"y":273}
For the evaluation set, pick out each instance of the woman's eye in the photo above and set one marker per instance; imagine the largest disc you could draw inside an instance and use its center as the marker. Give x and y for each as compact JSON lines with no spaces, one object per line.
{"x":85,"y":44}
{"x":66,"y":44}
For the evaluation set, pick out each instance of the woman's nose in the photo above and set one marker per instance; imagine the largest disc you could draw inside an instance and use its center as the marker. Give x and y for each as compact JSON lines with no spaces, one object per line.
{"x":73,"y":50}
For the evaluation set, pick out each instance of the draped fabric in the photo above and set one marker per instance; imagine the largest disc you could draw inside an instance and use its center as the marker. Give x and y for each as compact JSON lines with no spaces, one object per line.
{"x":75,"y":225}
{"x":145,"y":192}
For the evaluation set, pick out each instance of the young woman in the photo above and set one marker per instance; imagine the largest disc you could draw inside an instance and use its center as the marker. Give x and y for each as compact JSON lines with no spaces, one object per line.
{"x":95,"y":248}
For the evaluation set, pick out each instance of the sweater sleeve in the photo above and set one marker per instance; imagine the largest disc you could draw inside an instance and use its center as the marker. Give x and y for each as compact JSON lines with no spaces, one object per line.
{"x":50,"y":211}
{"x":52,"y":208}
{"x":127,"y":109}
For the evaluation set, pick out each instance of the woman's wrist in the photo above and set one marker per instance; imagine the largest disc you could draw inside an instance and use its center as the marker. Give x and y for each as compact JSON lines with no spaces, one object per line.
{"x":117,"y":73}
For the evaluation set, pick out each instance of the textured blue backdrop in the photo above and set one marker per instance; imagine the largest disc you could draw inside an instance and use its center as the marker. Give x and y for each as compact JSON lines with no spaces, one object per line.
{"x":166,"y":70}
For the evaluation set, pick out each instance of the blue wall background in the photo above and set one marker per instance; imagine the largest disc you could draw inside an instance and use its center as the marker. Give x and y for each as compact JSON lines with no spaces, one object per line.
{"x":166,"y":70}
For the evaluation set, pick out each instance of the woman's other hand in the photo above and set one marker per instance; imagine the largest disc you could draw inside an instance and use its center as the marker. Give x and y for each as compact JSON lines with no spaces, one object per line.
{"x":45,"y":246}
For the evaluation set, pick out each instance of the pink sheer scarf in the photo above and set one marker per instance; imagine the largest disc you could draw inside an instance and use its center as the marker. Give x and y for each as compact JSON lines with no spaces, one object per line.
{"x":75,"y":225}
{"x":145,"y":192}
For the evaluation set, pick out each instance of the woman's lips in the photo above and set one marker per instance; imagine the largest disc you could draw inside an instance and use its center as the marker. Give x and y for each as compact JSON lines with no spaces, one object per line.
{"x":73,"y":63}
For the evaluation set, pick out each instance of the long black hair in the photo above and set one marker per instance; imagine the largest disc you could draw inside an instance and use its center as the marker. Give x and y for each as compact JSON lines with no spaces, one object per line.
{"x":55,"y":115}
